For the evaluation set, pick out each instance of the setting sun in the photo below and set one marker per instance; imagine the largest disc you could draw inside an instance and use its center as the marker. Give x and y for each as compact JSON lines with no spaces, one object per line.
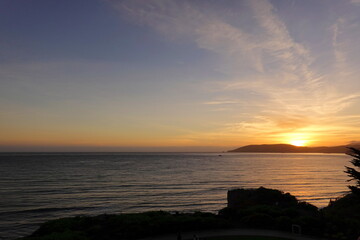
{"x":298,"y":142}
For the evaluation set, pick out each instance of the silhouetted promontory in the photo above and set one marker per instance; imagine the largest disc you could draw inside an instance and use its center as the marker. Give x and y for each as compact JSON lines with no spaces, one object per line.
{"x":287,"y":148}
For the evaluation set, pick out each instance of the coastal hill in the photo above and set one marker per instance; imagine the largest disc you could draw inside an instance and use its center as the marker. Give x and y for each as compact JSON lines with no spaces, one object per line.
{"x":287,"y":148}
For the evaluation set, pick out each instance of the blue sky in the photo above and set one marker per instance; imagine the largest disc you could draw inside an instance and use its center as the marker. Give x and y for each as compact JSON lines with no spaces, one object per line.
{"x":177,"y":75}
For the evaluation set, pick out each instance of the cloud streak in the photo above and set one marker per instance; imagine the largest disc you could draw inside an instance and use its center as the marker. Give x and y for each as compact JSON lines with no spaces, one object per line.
{"x":266,"y":60}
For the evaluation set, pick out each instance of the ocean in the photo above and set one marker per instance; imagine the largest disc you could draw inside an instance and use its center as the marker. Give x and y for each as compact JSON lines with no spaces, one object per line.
{"x":36,"y":187}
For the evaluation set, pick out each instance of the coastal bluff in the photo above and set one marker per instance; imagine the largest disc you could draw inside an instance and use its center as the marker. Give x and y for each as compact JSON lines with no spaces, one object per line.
{"x":287,"y":148}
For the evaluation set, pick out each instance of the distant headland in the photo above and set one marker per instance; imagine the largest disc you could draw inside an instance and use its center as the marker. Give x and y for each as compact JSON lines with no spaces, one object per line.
{"x":287,"y":148}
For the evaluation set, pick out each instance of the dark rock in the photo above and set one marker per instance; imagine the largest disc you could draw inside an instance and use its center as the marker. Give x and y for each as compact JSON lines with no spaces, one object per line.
{"x":241,"y":198}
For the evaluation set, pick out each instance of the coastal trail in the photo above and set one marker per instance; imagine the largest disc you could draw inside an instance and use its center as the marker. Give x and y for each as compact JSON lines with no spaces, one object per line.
{"x":232,"y":232}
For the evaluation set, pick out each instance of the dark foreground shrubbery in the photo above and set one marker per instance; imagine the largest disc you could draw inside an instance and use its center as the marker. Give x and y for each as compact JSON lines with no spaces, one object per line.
{"x":125,"y":226}
{"x":342,"y":218}
{"x":273,"y":210}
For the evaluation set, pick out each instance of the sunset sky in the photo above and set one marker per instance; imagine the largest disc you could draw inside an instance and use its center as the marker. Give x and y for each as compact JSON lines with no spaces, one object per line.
{"x":166,"y":75}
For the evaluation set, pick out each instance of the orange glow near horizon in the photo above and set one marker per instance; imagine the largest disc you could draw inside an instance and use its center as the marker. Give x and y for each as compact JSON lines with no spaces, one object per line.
{"x":300,"y":139}
{"x":298,"y":142}
{"x":115,"y":138}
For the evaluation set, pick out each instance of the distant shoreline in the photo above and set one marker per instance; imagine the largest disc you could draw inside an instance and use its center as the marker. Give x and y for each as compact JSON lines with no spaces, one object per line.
{"x":287,"y":148}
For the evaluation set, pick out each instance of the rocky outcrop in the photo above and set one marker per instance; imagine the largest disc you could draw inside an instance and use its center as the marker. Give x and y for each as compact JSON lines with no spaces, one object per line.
{"x":271,"y":209}
{"x":241,"y":198}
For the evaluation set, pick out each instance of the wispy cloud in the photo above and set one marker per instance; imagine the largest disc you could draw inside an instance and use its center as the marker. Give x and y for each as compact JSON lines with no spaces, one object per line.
{"x":356,"y":2}
{"x":293,"y":57}
{"x":266,"y":60}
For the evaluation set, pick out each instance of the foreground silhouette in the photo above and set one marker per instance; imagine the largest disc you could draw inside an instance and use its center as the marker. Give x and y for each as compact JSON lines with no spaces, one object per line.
{"x":247,"y":208}
{"x":352,"y":172}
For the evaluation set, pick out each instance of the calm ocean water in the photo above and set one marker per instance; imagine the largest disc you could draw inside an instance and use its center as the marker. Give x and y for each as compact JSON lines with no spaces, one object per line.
{"x":35,"y":187}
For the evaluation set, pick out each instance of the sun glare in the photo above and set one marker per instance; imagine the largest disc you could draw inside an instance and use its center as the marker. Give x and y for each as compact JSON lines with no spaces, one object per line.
{"x":298,"y":142}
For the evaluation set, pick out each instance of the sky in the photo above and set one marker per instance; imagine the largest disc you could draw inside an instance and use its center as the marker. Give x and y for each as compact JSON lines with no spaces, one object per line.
{"x":167,"y":75}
